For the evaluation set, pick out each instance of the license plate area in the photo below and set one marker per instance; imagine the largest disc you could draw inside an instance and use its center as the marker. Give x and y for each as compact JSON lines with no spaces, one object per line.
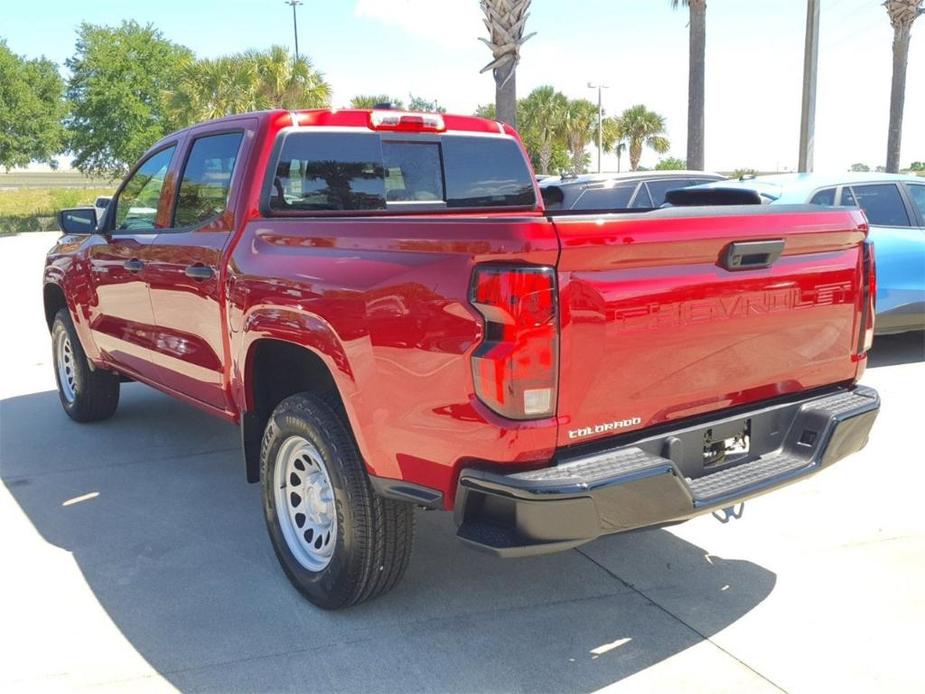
{"x":727,"y":443}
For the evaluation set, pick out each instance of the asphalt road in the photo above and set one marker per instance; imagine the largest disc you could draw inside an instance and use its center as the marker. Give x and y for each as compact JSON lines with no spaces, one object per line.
{"x":134,"y":557}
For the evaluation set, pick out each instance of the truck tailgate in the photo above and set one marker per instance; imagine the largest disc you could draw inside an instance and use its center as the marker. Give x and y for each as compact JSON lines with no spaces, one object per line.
{"x":654,"y":327}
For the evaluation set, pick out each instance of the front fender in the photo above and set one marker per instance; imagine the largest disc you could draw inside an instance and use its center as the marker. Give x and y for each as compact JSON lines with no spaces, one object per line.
{"x":66,"y":269}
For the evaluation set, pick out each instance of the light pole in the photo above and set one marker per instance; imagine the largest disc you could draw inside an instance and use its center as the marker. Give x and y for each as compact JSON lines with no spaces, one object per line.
{"x":295,"y":26}
{"x":810,"y":63}
{"x":600,"y":121}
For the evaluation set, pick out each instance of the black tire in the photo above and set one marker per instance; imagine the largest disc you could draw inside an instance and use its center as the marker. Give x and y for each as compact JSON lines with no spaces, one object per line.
{"x":374,"y":535}
{"x":94,"y":393}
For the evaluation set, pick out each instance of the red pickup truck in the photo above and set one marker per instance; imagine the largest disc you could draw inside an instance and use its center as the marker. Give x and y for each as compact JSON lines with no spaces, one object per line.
{"x":380,"y":302}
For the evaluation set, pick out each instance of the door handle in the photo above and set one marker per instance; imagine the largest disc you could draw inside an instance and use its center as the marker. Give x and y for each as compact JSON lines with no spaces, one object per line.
{"x":200,"y":272}
{"x":133,"y":265}
{"x":751,"y":255}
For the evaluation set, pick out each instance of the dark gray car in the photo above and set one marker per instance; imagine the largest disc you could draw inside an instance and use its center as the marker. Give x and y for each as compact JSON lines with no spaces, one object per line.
{"x":613,"y":191}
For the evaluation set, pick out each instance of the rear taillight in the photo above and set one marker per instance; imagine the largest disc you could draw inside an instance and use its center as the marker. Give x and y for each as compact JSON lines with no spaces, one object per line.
{"x":516,"y":366}
{"x":868,"y":297}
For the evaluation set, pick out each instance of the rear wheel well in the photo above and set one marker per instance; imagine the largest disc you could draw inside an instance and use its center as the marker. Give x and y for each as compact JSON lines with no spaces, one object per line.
{"x":54,"y":302}
{"x":276,"y":370}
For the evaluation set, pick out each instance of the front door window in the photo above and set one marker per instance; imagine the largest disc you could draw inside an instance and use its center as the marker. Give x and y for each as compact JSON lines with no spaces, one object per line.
{"x":137,"y":204}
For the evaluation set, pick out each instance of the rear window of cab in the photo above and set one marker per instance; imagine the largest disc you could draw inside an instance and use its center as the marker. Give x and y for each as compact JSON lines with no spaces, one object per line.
{"x":317,"y":172}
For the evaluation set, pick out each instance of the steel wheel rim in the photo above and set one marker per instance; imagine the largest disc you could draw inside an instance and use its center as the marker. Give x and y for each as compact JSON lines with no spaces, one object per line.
{"x":65,"y":363}
{"x":305,"y":503}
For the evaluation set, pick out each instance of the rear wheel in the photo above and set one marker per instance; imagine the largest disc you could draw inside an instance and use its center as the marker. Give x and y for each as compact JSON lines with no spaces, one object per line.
{"x":338,"y":542}
{"x":87,"y":395}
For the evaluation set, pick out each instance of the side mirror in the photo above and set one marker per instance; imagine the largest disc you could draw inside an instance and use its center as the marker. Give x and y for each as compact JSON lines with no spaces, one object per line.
{"x":77,"y":220}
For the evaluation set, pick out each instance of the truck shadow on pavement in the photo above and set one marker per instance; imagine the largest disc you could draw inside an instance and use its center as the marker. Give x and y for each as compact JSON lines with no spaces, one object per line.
{"x":154,"y":508}
{"x":890,"y":350}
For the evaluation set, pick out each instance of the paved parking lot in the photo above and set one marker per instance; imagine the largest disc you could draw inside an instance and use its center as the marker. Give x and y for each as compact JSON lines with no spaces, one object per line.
{"x":134,"y":556}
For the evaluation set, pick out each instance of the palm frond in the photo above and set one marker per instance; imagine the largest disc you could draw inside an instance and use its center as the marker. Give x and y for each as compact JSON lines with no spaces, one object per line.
{"x":505,"y":21}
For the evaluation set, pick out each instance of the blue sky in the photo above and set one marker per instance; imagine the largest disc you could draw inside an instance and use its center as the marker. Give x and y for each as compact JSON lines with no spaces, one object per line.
{"x":639,"y":47}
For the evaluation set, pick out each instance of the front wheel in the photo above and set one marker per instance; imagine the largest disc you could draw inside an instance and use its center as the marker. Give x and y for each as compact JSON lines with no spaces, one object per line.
{"x":87,"y":394}
{"x":338,"y":542}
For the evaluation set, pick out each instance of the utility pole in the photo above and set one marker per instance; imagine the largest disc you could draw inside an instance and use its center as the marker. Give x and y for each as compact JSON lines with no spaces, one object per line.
{"x":295,"y":25}
{"x":810,"y":63}
{"x":600,"y":121}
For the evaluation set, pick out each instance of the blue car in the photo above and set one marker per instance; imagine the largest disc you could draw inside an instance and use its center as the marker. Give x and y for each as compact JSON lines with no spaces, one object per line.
{"x":895,"y":207}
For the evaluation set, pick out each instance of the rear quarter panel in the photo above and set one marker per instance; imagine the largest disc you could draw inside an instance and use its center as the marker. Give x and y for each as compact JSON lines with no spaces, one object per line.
{"x":384,"y":302}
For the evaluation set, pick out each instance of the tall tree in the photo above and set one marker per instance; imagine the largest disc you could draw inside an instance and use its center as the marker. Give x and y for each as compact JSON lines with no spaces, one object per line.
{"x":580,"y":127}
{"x":419,"y":103}
{"x":286,"y":82}
{"x":370,"y":100}
{"x":620,"y":149}
{"x":486,"y":111}
{"x":210,"y":88}
{"x":250,"y":81}
{"x":116,"y":92}
{"x":902,"y":14}
{"x":643,"y":128}
{"x":31,"y":110}
{"x":542,"y":123}
{"x":613,"y":138}
{"x":695,"y":81}
{"x":505,"y":20}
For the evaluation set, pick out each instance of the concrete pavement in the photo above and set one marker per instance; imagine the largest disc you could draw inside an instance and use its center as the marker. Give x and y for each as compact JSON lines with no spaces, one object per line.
{"x":135,"y":557}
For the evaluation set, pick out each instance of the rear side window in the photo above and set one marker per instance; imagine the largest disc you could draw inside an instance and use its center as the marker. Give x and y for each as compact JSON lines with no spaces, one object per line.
{"x":642,"y":198}
{"x":203,"y":191}
{"x":658,"y":189}
{"x":882,"y":203}
{"x":361,"y":171}
{"x":917,"y":193}
{"x":824,"y":197}
{"x":615,"y":198}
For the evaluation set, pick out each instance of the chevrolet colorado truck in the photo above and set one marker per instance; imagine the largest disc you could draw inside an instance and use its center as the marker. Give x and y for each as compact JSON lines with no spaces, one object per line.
{"x":380,"y":302}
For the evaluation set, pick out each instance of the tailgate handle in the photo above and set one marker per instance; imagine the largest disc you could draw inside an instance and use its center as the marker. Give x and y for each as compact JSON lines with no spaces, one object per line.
{"x":751,"y":255}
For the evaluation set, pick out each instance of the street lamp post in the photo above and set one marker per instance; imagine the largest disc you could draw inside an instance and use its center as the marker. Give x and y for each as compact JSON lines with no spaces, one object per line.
{"x":810,"y":65}
{"x":295,"y":25}
{"x":600,"y":121}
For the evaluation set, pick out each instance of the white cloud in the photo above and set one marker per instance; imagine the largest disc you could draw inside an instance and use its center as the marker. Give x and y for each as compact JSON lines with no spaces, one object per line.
{"x":450,"y":23}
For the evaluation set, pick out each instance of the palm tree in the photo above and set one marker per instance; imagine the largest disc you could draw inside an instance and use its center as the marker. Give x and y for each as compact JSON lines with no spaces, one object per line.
{"x":210,"y":89}
{"x":613,"y":138}
{"x":486,"y":111}
{"x":619,"y":149}
{"x":284,"y":82}
{"x":543,"y":115}
{"x":580,"y":126}
{"x":370,"y":101}
{"x":244,"y":82}
{"x":902,"y":14}
{"x":505,"y":20}
{"x":695,"y":81}
{"x":643,"y":128}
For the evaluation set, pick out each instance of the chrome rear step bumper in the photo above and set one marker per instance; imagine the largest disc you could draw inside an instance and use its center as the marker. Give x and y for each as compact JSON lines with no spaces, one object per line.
{"x":660,"y":479}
